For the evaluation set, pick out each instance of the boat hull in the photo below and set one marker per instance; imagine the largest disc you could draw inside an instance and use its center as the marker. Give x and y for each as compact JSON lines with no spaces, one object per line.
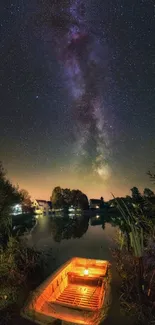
{"x":78,"y":293}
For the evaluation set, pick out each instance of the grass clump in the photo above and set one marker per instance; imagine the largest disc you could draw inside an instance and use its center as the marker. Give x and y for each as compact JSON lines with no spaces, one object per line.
{"x":135,"y":260}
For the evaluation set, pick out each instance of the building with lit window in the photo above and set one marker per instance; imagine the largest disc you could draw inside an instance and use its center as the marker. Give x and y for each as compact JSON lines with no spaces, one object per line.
{"x":96,"y":203}
{"x":42,"y":206}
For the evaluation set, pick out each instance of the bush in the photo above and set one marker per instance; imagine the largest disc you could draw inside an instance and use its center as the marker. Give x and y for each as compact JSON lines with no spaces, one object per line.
{"x":17,"y":263}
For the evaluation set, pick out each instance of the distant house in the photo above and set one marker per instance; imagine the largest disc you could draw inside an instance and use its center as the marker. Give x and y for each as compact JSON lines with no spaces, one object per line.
{"x":96,"y":203}
{"x":42,"y":206}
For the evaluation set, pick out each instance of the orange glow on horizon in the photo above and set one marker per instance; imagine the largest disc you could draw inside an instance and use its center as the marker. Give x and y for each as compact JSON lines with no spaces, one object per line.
{"x":40,"y":185}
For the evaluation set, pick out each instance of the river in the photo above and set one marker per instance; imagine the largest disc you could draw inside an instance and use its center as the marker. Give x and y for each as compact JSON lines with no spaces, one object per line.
{"x":62,"y":238}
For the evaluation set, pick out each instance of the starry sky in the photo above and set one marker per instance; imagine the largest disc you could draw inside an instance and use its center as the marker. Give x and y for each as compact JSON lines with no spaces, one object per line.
{"x":77,"y":94}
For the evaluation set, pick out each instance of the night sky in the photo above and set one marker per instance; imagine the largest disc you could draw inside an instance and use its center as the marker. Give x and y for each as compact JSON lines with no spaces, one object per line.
{"x":77,"y":94}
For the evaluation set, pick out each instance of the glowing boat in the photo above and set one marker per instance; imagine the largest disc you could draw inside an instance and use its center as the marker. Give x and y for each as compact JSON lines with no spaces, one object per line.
{"x":78,"y":292}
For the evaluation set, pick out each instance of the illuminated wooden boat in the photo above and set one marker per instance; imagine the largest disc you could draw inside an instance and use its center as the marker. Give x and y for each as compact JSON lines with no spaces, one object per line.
{"x":78,"y":292}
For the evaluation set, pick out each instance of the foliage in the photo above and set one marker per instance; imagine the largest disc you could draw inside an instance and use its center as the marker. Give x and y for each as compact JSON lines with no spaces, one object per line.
{"x":57,"y":198}
{"x":63,"y":198}
{"x":135,"y":192}
{"x":79,"y":200}
{"x":136,"y":196}
{"x":9,"y":195}
{"x":135,"y":264}
{"x":152,"y":176}
{"x":17,"y":263}
{"x":137,"y":203}
{"x":121,"y":200}
{"x":26,"y":198}
{"x":132,"y":303}
{"x":148,"y":193}
{"x":135,"y":230}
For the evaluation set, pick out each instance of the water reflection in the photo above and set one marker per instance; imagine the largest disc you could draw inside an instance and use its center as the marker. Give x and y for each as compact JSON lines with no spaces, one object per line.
{"x":22,"y":223}
{"x":97,"y":220}
{"x":83,"y":236}
{"x":61,"y":228}
{"x":73,"y":228}
{"x":103,"y":219}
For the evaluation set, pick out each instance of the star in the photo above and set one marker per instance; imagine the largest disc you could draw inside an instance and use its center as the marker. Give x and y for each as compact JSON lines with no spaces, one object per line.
{"x":77,"y":94}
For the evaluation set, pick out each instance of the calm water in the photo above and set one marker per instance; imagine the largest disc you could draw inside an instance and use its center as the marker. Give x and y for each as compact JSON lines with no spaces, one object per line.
{"x":68,"y":238}
{"x":60,"y":239}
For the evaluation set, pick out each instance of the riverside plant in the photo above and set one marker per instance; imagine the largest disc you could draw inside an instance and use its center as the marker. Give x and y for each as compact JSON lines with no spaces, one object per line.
{"x":17,"y":263}
{"x":135,"y":262}
{"x":134,"y":228}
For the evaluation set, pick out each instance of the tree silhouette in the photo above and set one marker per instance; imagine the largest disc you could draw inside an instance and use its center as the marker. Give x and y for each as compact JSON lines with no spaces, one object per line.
{"x":26,"y":200}
{"x":135,"y":193}
{"x":152,"y":176}
{"x":9,"y":195}
{"x":137,"y":197}
{"x":63,"y":198}
{"x":148,"y":193}
{"x":57,"y":198}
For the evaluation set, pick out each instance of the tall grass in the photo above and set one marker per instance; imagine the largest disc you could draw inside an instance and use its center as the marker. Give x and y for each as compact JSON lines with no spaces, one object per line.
{"x":133,"y":227}
{"x":135,"y":263}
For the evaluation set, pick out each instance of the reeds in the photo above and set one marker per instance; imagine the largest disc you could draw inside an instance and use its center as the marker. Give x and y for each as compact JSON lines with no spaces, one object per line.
{"x":133,"y":263}
{"x":133,"y":228}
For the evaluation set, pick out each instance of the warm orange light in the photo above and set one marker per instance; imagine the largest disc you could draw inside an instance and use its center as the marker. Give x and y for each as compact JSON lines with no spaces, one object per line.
{"x":86,"y":272}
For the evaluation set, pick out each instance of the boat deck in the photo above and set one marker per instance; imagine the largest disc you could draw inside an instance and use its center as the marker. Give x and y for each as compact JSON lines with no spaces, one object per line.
{"x":77,"y":292}
{"x":83,"y":297}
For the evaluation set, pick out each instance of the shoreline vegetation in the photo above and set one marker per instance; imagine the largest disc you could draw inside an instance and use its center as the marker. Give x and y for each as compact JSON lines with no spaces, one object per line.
{"x":135,"y":263}
{"x":20,"y":266}
{"x":134,"y":252}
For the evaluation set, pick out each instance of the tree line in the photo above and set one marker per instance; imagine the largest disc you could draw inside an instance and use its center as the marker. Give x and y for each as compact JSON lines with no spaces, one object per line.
{"x":137,"y":198}
{"x":63,"y":198}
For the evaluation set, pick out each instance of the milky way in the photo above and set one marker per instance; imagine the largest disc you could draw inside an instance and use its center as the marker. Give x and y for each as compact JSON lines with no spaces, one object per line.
{"x":79,"y":52}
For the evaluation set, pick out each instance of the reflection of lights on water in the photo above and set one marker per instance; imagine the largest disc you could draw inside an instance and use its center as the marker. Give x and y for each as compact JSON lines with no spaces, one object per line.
{"x":86,"y":272}
{"x":97,"y":217}
{"x":39,"y":216}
